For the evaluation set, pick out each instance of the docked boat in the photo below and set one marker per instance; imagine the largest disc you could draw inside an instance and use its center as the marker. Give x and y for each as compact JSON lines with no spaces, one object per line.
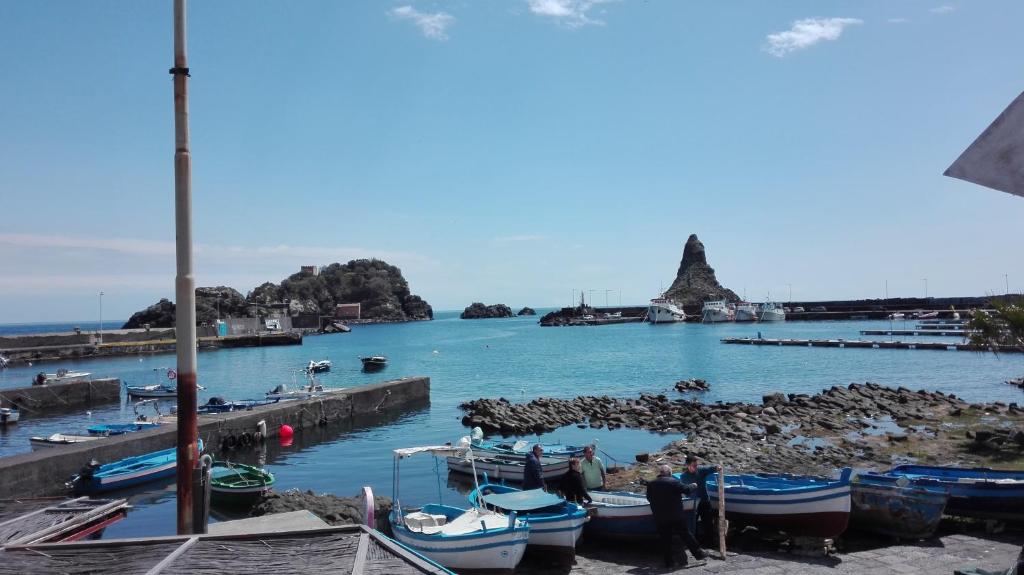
{"x":522,"y":446}
{"x":3,"y":362}
{"x":894,"y":506}
{"x":973,"y":492}
{"x":746,"y":311}
{"x":220,"y":405}
{"x":794,"y":504}
{"x":717,"y":311}
{"x":157,"y":390}
{"x":555,"y":524}
{"x":506,"y":468}
{"x":627,"y":515}
{"x":9,"y":415}
{"x":374,"y":362}
{"x":105,"y":429}
{"x":460,"y":539}
{"x":305,"y":392}
{"x":61,"y":376}
{"x":664,"y":310}
{"x":771,"y":311}
{"x":318,"y":366}
{"x":58,"y":439}
{"x":238,"y":484}
{"x":99,"y":478}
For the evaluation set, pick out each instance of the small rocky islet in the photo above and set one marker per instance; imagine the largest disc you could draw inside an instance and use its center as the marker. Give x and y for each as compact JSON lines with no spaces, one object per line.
{"x":478,"y":310}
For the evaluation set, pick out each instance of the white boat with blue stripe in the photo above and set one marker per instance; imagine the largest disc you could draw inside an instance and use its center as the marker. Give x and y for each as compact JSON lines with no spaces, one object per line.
{"x":474,"y":539}
{"x":555,"y":524}
{"x":627,"y":515}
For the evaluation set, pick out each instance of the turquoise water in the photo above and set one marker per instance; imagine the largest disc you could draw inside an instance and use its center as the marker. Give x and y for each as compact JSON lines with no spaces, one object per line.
{"x":519,"y":360}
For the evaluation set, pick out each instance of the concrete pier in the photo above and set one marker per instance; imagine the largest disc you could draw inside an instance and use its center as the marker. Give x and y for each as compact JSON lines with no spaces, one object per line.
{"x":917,"y":332}
{"x":44,"y":472}
{"x":868,"y":344}
{"x":56,"y":396}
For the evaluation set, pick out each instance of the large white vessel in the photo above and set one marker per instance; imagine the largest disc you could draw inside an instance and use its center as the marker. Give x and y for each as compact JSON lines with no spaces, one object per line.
{"x":746,"y":311}
{"x":716,"y":311}
{"x":663,"y":310}
{"x":771,"y":311}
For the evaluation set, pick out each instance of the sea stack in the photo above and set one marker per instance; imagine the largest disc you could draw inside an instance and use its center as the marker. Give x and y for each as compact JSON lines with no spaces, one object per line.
{"x":695,"y":281}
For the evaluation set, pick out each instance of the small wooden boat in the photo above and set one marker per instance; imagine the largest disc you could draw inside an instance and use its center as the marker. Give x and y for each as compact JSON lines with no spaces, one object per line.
{"x":318,"y":366}
{"x":627,"y":515}
{"x":555,"y":524}
{"x":894,"y":506}
{"x":460,"y":539}
{"x":121,"y":428}
{"x":522,"y":447}
{"x":374,"y":362}
{"x":155,"y":390}
{"x":58,"y":439}
{"x":97,"y":478}
{"x":9,"y":415}
{"x":795,"y":504}
{"x":219,"y":405}
{"x":973,"y":492}
{"x":62,"y":376}
{"x":502,"y":468}
{"x":238,"y":484}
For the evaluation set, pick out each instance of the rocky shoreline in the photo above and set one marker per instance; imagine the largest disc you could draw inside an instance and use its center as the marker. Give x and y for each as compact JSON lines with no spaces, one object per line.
{"x":864,"y":425}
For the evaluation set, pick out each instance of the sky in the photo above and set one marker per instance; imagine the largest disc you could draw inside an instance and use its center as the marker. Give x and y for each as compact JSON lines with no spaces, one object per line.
{"x":506,"y":151}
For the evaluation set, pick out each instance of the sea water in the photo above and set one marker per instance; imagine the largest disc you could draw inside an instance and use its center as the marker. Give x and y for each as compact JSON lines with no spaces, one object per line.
{"x":512,"y":358}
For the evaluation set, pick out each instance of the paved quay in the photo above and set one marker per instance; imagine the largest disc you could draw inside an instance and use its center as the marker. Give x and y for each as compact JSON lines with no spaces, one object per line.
{"x":941,"y":555}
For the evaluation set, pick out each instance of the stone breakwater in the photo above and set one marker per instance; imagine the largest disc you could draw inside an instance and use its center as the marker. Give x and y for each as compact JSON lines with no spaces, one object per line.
{"x":861,"y":423}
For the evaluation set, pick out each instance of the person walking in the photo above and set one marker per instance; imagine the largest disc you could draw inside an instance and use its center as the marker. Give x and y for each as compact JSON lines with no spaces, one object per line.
{"x":573,"y":486}
{"x":665,"y":495}
{"x":533,"y":476}
{"x":593,"y":469}
{"x":696,"y":473}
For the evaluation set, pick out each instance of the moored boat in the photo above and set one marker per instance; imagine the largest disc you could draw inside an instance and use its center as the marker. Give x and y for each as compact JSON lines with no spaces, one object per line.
{"x":121,"y":428}
{"x":664,"y":310}
{"x":374,"y":362}
{"x":61,"y":376}
{"x":460,"y":539}
{"x":555,"y":524}
{"x":522,"y":447}
{"x":797,"y":505}
{"x":155,"y":390}
{"x":305,"y":392}
{"x":58,"y":439}
{"x":771,"y":311}
{"x":973,"y":492}
{"x":627,"y":515}
{"x":506,"y":468}
{"x":99,"y":478}
{"x":238,"y":484}
{"x":318,"y":366}
{"x":9,"y":415}
{"x":220,"y":405}
{"x":894,"y":506}
{"x":717,"y":311}
{"x":746,"y":311}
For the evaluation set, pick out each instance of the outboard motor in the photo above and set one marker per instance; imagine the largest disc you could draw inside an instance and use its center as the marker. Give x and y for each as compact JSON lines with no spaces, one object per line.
{"x":279,"y":389}
{"x":216,"y":400}
{"x":40,"y":379}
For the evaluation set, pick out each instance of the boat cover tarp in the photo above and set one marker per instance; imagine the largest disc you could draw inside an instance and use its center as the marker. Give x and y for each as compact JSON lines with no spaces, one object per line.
{"x":438,"y":450}
{"x":523,"y":500}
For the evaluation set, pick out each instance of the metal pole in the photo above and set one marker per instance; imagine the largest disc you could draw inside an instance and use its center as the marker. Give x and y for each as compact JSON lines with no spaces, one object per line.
{"x":1007,"y":278}
{"x":184,"y":283}
{"x":101,"y":317}
{"x":925,"y":287}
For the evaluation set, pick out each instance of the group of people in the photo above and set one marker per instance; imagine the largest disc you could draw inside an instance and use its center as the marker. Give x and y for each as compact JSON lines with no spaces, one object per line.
{"x":665,"y":494}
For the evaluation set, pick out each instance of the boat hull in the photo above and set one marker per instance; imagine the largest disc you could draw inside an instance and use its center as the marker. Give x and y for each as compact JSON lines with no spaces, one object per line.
{"x":129,"y":472}
{"x":510,"y":470}
{"x":553,"y":528}
{"x":716,"y":316}
{"x":881,"y":506}
{"x":744,"y":314}
{"x":661,"y":313}
{"x":773,"y":315}
{"x":58,"y":439}
{"x":8,"y":415}
{"x":498,"y":550}
{"x":625,"y":515}
{"x":980,"y":493}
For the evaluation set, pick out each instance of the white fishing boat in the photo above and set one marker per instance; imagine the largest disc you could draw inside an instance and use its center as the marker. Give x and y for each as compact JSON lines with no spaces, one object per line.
{"x":9,"y":415}
{"x":717,"y":311}
{"x":61,"y":376}
{"x":318,"y":366}
{"x":460,"y":539}
{"x":771,"y":311}
{"x":58,"y":439}
{"x":313,"y":389}
{"x":746,"y":311}
{"x":510,"y":469}
{"x":555,"y":524}
{"x":627,"y":515}
{"x":664,"y":310}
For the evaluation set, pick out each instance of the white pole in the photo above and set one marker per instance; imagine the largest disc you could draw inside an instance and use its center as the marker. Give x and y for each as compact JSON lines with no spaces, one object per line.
{"x":101,"y":317}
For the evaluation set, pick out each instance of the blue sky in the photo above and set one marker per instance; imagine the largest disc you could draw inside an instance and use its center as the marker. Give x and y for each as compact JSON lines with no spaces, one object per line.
{"x":506,"y":151}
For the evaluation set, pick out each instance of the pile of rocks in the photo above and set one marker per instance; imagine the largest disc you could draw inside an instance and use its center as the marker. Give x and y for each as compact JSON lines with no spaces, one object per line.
{"x":692,"y":385}
{"x":331,"y":508}
{"x":477,"y":310}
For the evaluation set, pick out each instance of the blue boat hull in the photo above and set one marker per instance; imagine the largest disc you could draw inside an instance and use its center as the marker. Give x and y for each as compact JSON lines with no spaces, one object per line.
{"x":128,"y":472}
{"x":880,"y":505}
{"x":979,"y":492}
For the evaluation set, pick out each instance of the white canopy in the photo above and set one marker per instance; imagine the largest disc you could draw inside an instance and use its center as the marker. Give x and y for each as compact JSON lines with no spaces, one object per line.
{"x":438,"y":450}
{"x":996,"y":159}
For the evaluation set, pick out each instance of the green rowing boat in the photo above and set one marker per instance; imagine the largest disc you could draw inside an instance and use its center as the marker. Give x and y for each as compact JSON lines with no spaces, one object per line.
{"x":238,"y":484}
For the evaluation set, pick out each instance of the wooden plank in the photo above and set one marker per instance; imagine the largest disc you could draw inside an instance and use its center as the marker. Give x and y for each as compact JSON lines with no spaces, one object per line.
{"x":722,"y":525}
{"x":38,"y":511}
{"x":174,"y":555}
{"x":70,"y":524}
{"x":360,"y":560}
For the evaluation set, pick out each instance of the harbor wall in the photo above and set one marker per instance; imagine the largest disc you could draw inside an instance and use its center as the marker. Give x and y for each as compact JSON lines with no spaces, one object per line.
{"x":45,"y":472}
{"x":36,"y":399}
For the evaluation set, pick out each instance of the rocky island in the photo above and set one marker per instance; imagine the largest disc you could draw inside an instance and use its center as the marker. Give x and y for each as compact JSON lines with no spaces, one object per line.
{"x":527,"y":311}
{"x":477,"y":310}
{"x":695,"y":281}
{"x":379,"y":289}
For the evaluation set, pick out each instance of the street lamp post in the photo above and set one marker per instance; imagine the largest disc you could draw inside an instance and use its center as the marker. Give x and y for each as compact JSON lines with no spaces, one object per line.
{"x":790,"y":293}
{"x":1006,"y":278}
{"x":101,"y":317}
{"x":925,"y":280}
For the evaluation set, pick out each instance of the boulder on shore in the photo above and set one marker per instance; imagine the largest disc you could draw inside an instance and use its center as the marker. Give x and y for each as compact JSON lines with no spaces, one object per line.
{"x":694,"y":384}
{"x":527,"y":311}
{"x":480,"y":311}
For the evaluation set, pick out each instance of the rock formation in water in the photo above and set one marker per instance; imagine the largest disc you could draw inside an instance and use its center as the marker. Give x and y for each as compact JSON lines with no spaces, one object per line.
{"x":695,"y":281}
{"x":379,"y":288}
{"x":527,"y":311}
{"x":480,"y":311}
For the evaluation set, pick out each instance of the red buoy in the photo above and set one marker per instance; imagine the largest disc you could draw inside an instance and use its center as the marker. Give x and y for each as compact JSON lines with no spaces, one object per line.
{"x":286,"y":431}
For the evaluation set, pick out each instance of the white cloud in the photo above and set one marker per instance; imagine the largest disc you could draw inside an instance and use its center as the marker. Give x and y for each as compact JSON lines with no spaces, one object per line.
{"x":898,"y":20}
{"x":570,"y":13}
{"x":944,"y":9}
{"x":806,"y":33}
{"x":434,"y":26}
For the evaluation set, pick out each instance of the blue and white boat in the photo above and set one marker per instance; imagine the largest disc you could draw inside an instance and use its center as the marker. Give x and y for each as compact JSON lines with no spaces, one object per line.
{"x":555,"y":524}
{"x":121,"y":428}
{"x":156,"y":390}
{"x":474,"y":539}
{"x":505,"y":467}
{"x":973,"y":492}
{"x":96,"y":478}
{"x":219,"y":405}
{"x":795,"y":504}
{"x":894,"y":506}
{"x":627,"y":515}
{"x":522,"y":447}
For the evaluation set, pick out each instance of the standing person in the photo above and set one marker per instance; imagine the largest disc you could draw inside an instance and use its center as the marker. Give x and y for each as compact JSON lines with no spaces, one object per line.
{"x":573,"y":486}
{"x":533,"y":477}
{"x":665,"y":495}
{"x":696,"y":473}
{"x":593,"y":469}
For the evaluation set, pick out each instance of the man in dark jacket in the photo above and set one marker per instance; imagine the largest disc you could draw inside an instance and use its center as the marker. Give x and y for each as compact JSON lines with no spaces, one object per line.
{"x":696,"y":473}
{"x":665,"y":495}
{"x":533,"y":478}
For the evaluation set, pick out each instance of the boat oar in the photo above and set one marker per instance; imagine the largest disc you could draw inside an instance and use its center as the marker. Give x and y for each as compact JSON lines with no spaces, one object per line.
{"x":722,"y":524}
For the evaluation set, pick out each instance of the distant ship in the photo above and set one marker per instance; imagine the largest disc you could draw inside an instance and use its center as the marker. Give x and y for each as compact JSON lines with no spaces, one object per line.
{"x":746,"y":311}
{"x":771,"y":311}
{"x":716,"y":311}
{"x":664,"y":310}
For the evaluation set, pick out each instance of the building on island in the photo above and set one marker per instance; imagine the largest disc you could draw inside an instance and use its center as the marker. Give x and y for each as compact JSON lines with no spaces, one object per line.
{"x":347,"y":311}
